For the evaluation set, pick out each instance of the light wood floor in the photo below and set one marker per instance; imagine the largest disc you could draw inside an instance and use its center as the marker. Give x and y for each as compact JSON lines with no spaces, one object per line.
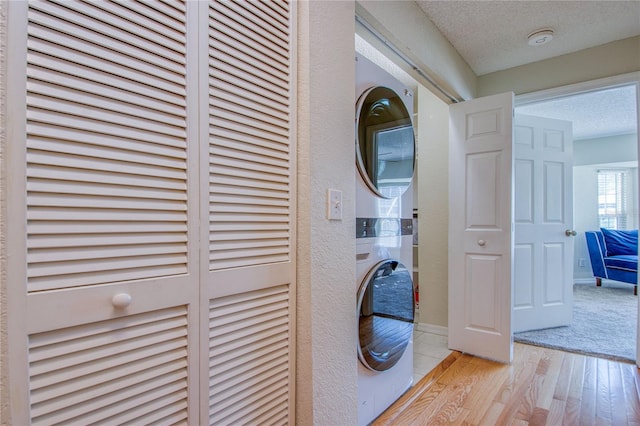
{"x":541,"y":386}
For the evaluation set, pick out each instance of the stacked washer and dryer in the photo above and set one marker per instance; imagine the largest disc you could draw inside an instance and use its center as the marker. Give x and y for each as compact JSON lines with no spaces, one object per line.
{"x":385,"y":151}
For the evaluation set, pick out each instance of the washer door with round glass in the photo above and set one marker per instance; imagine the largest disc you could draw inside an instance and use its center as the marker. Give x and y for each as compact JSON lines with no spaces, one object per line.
{"x":385,"y":312}
{"x":385,"y":142}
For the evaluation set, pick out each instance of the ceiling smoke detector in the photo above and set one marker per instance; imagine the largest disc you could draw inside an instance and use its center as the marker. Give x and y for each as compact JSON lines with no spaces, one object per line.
{"x":540,"y":37}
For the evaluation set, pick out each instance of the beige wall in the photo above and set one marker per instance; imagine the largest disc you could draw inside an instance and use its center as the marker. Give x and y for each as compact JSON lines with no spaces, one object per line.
{"x":611,"y":149}
{"x":616,"y":58}
{"x":405,"y":25}
{"x":326,"y":341}
{"x":326,"y":383}
{"x":433,"y":207}
{"x":4,"y":398}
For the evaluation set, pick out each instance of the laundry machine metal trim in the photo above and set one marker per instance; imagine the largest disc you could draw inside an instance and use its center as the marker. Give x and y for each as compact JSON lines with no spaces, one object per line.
{"x":372,"y":227}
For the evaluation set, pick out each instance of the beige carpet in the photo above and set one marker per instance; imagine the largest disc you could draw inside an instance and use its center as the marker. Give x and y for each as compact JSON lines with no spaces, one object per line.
{"x":604,"y":323}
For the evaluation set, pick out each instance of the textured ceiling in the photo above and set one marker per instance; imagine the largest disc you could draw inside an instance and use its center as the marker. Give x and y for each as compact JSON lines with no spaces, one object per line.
{"x":602,"y":113}
{"x":492,"y":35}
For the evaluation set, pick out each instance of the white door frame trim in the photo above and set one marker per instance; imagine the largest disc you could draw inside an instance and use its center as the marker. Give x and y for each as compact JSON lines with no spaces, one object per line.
{"x":582,"y":87}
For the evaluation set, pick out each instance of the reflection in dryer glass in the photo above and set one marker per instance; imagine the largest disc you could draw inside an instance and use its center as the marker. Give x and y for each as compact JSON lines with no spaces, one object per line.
{"x":385,"y":143}
{"x":386,"y":313}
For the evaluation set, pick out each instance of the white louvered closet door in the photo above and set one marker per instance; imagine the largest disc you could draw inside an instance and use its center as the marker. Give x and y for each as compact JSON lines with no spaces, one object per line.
{"x":111,"y":211}
{"x":151,"y":212}
{"x":248,"y":175}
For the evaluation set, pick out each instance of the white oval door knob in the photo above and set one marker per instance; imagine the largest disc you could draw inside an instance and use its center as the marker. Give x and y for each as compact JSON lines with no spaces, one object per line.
{"x":121,"y":300}
{"x":481,"y":242}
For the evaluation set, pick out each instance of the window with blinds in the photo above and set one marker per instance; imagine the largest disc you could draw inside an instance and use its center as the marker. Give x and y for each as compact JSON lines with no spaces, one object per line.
{"x":613,"y":198}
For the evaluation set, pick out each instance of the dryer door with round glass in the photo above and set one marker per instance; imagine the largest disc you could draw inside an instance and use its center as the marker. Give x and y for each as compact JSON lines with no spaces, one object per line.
{"x":385,"y":142}
{"x":385,"y":314}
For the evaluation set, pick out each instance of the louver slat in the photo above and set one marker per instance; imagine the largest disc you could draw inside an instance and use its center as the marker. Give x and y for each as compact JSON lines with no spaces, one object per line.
{"x":111,"y":371}
{"x":96,"y":189}
{"x":113,"y":148}
{"x":268,"y":55}
{"x":125,"y":165}
{"x":226,"y":69}
{"x":250,"y":133}
{"x":249,"y":356}
{"x":115,"y":229}
{"x":121,"y":41}
{"x":261,"y":14}
{"x":101,"y":110}
{"x":122,"y":95}
{"x":154,"y":21}
{"x":261,"y":113}
{"x":255,"y":28}
{"x":244,"y":96}
{"x":251,"y":122}
{"x":46,"y":94}
{"x":278,"y":11}
{"x":106,"y":142}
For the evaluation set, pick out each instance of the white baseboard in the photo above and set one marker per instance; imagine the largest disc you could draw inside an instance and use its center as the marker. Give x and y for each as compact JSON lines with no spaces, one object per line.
{"x":444,"y":331}
{"x":433,"y":329}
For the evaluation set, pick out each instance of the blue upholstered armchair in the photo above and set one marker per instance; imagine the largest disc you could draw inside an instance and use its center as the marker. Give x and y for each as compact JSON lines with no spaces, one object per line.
{"x":614,"y":255}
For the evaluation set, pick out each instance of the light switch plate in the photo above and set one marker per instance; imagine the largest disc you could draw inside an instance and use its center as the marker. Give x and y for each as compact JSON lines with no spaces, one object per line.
{"x":334,"y":204}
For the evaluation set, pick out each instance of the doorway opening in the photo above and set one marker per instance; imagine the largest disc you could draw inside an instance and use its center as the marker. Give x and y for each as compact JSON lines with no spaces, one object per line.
{"x":605,"y":142}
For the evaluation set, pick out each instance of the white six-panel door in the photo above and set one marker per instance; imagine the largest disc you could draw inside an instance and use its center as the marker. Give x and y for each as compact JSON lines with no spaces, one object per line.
{"x":480,"y":227}
{"x":543,"y":252}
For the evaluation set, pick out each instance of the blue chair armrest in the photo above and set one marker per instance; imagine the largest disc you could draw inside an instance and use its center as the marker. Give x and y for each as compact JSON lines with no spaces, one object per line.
{"x":595,"y":245}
